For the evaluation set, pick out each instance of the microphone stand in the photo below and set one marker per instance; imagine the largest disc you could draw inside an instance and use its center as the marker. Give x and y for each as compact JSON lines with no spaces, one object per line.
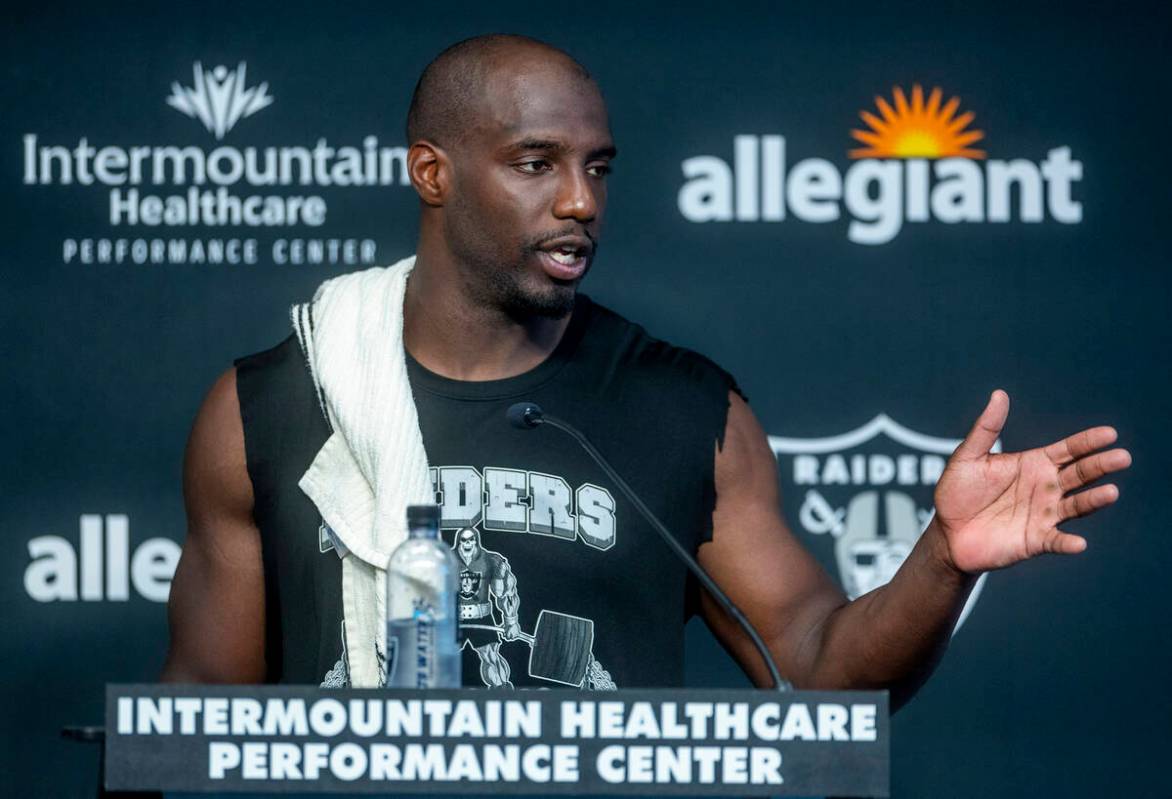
{"x":528,"y":415}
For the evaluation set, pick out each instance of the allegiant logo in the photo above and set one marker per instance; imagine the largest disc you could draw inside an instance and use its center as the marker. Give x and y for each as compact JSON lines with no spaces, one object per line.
{"x":917,"y":165}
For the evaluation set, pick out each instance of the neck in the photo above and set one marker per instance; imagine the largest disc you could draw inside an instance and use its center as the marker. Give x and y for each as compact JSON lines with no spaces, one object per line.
{"x":452,"y":334}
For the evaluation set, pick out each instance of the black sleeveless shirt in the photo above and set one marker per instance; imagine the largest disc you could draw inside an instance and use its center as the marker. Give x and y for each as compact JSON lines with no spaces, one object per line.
{"x":562,"y":582}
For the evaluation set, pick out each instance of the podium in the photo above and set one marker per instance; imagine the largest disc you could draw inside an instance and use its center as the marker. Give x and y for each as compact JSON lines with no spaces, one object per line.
{"x":294,"y":739}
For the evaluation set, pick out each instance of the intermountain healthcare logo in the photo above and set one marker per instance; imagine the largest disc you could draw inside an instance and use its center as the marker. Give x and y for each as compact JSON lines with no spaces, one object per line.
{"x":218,"y":99}
{"x":198,"y":187}
{"x":863,"y":498}
{"x":917,"y":166}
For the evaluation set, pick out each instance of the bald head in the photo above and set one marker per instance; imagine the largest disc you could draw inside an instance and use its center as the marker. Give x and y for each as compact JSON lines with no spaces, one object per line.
{"x":449,"y":95}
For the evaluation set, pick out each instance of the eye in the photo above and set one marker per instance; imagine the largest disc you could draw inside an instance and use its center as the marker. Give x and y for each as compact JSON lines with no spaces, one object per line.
{"x":598,"y":170}
{"x":535,"y":167}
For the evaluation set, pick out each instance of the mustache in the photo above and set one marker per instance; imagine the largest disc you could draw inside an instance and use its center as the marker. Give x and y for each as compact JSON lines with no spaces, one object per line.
{"x":533,"y":245}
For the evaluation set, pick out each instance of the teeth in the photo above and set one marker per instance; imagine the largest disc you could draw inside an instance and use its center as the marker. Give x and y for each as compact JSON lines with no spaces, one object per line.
{"x":563,"y":257}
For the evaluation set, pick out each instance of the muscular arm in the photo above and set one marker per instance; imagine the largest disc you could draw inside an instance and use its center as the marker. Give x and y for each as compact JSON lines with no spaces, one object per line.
{"x":504,"y":588}
{"x":889,"y":638}
{"x":216,"y":609}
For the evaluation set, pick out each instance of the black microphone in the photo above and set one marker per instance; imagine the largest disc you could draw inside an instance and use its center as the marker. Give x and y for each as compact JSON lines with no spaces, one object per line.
{"x":528,"y":415}
{"x":525,"y":415}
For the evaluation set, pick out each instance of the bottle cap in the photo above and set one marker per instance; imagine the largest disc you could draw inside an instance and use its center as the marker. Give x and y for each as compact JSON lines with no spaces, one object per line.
{"x":423,"y":515}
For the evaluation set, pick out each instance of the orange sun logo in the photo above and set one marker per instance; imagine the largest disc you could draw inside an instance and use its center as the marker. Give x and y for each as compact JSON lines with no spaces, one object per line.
{"x":918,"y":129}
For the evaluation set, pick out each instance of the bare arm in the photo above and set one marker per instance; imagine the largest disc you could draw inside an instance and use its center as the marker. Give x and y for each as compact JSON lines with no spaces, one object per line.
{"x":216,"y":610}
{"x":992,"y":510}
{"x":817,"y":638}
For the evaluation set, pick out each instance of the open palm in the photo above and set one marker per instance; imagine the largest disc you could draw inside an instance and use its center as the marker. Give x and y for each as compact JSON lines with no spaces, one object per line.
{"x":996,"y":509}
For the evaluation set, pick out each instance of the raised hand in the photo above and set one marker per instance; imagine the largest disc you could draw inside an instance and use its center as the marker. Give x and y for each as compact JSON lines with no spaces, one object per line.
{"x":995,"y":509}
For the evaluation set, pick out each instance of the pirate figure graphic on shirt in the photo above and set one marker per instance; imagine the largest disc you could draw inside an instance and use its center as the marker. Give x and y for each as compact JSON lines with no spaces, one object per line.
{"x":485,"y":576}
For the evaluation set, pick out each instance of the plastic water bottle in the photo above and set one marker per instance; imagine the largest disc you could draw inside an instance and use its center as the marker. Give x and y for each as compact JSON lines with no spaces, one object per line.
{"x":422,"y":581}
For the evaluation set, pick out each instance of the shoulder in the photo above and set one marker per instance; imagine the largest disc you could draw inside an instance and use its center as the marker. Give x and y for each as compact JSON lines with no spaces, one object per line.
{"x":280,"y":413}
{"x":215,"y":474}
{"x":745,"y":460}
{"x":655,"y":363}
{"x":276,"y":379}
{"x":286,"y":352}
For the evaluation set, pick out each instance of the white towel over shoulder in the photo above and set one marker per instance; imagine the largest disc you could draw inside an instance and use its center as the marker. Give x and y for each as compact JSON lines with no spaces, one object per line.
{"x":373,"y":465}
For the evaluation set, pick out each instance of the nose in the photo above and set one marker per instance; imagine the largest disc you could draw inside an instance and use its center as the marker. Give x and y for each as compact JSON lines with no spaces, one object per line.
{"x":575,"y":198}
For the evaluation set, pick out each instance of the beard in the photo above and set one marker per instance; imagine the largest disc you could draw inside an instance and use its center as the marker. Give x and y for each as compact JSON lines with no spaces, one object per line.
{"x":503,"y":276}
{"x":509,"y":283}
{"x":510,"y":292}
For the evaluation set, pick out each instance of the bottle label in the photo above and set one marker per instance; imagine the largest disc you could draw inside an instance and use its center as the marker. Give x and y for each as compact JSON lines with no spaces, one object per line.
{"x":424,"y":644}
{"x":411,"y":648}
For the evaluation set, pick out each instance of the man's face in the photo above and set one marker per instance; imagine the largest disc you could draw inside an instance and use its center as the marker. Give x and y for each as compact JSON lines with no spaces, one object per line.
{"x":529,"y":190}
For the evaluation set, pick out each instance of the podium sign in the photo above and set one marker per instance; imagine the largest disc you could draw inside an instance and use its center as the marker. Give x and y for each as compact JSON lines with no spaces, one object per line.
{"x":307,"y":740}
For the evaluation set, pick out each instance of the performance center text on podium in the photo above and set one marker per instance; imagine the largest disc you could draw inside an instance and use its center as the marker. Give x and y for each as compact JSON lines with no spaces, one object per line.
{"x":732,"y":726}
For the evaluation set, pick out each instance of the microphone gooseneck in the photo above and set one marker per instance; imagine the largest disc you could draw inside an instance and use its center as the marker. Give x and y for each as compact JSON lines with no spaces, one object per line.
{"x":528,"y":415}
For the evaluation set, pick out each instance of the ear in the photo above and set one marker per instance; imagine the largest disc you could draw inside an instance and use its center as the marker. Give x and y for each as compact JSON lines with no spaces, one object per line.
{"x":430,"y":171}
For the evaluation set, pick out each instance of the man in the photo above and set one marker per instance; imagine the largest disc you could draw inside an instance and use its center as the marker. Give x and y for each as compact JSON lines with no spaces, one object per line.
{"x":510,"y":147}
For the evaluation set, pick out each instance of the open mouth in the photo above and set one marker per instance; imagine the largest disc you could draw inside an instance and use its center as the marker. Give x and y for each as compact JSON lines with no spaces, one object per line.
{"x":566,"y":259}
{"x":566,"y":255}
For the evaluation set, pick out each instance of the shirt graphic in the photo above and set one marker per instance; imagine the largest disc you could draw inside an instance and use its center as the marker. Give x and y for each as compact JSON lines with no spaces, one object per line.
{"x":560,"y":648}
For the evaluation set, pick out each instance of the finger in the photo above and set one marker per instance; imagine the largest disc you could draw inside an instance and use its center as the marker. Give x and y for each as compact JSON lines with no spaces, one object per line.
{"x":1089,"y":469}
{"x":1085,"y":442}
{"x":1088,"y":501}
{"x":986,"y":429}
{"x":1063,"y":543}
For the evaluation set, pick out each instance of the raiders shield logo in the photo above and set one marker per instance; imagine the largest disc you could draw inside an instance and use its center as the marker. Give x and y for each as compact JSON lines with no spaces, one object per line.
{"x":861,"y":500}
{"x":469,"y":584}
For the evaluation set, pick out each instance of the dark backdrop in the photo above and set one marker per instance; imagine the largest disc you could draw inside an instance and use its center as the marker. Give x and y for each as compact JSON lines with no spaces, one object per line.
{"x":1055,"y":683}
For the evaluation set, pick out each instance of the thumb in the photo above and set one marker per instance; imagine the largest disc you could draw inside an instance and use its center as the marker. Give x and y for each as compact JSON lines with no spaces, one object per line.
{"x":986,"y":429}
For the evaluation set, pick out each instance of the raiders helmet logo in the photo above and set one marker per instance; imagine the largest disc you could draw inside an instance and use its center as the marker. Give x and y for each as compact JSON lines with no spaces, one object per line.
{"x":861,"y":500}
